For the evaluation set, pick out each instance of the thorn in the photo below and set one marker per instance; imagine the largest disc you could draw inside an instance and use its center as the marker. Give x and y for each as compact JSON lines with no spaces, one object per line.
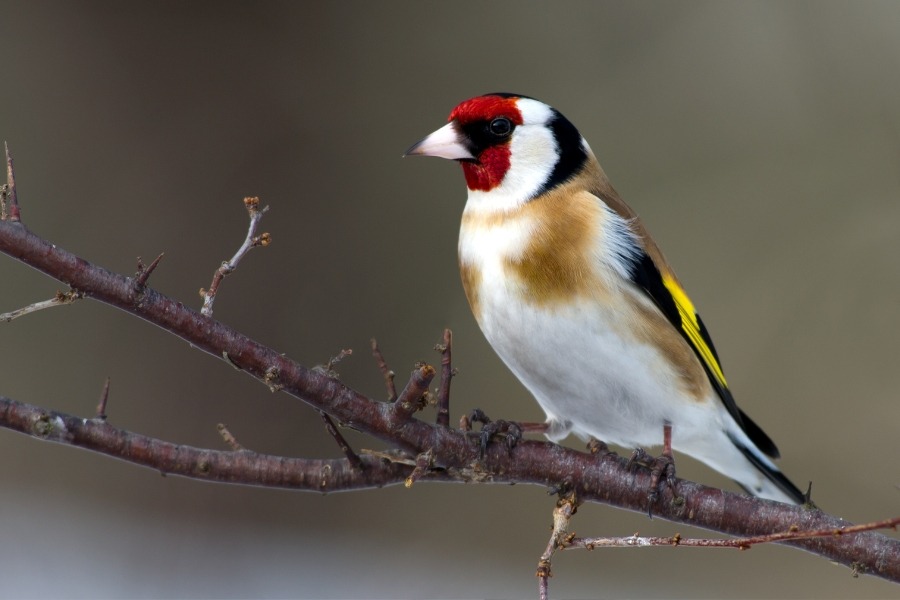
{"x":104,"y":397}
{"x":143,"y":273}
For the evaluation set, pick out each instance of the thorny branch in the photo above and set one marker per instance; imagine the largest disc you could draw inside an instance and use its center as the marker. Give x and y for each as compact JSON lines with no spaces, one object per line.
{"x":420,"y":451}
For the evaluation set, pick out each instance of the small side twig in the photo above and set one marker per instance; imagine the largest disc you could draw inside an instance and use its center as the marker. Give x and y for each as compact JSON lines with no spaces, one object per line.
{"x":104,"y":397}
{"x":9,"y":199}
{"x":412,"y":398}
{"x":143,"y":273}
{"x":424,"y":461}
{"x":559,"y":537}
{"x":251,"y":241}
{"x":740,"y":543}
{"x":328,"y":368}
{"x":228,"y":437}
{"x":60,"y":299}
{"x":352,"y":457}
{"x":447,"y":373}
{"x":385,"y":371}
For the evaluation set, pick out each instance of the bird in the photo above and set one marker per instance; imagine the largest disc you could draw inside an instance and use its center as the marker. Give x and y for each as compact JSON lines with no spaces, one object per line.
{"x":577,"y":299}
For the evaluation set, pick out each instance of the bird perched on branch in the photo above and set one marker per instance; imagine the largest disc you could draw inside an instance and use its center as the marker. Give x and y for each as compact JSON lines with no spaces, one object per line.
{"x":577,"y":299}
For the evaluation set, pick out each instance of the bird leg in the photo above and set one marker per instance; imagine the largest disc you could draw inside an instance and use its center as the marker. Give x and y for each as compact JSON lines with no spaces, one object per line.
{"x":512,"y":430}
{"x":662,"y":466}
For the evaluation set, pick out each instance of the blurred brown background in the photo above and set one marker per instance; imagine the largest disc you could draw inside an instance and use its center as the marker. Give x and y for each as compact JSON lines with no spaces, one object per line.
{"x":760,"y":142}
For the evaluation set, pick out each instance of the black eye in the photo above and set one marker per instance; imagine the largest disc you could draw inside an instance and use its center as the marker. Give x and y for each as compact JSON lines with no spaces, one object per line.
{"x":500,"y":127}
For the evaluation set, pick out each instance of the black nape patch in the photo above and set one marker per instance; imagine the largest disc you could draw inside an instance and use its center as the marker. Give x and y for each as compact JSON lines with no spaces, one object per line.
{"x":572,"y":154}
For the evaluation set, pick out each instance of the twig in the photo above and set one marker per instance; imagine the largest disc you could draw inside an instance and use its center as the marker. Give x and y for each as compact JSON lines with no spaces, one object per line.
{"x":143,"y":273}
{"x":447,"y":373}
{"x":9,"y":199}
{"x":228,"y":437}
{"x":104,"y":397}
{"x":740,"y":543}
{"x":385,"y":371}
{"x":59,"y":299}
{"x":328,"y":368}
{"x":424,"y":462}
{"x":412,"y":397}
{"x":559,"y":537}
{"x":352,"y":457}
{"x":227,"y":268}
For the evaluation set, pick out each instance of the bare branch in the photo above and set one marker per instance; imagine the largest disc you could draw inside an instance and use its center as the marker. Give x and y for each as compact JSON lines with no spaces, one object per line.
{"x":60,"y":299}
{"x":600,"y":478}
{"x":225,"y":466}
{"x":227,"y":268}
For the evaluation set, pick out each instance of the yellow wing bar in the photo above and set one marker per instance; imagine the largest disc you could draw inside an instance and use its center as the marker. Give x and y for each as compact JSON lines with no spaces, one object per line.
{"x":691,"y":326}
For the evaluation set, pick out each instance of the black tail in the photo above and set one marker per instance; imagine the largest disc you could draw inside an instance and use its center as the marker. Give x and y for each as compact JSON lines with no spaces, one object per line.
{"x":774,"y":475}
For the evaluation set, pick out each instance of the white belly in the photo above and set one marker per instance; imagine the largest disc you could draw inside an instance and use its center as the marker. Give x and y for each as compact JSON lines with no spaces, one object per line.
{"x":579,"y":349}
{"x":588,"y":378}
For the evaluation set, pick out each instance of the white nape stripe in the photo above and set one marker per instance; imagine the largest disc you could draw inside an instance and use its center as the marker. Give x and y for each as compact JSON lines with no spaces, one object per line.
{"x":533,"y":156}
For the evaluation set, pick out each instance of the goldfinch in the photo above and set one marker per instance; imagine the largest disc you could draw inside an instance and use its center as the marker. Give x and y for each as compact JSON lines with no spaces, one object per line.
{"x":577,"y":299}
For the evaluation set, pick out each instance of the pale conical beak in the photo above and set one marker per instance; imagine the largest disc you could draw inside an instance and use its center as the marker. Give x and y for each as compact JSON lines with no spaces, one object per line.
{"x":446,"y":142}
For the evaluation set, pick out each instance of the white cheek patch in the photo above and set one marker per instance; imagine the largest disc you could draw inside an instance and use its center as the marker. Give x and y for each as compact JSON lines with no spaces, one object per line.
{"x":533,"y":156}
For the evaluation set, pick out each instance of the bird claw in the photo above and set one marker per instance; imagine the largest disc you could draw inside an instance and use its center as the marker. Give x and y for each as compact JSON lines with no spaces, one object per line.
{"x":662,"y":468}
{"x":510,"y":429}
{"x":599,"y":448}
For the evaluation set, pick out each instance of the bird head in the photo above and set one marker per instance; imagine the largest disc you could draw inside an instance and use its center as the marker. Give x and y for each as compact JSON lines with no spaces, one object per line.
{"x":508,"y":145}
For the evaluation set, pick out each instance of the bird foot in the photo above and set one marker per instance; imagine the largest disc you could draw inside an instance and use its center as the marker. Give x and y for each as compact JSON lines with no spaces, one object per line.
{"x":662,"y":468}
{"x":510,"y":430}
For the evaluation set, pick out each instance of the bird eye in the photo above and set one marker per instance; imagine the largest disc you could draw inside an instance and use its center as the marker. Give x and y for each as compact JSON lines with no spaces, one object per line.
{"x":500,"y":127}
